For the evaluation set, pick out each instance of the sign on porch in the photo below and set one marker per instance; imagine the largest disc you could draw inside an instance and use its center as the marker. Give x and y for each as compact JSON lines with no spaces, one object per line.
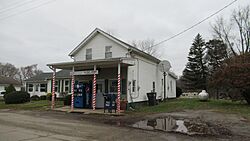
{"x":86,"y":72}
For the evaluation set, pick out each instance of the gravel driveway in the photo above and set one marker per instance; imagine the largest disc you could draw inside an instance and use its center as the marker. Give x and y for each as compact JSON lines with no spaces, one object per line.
{"x":59,"y":126}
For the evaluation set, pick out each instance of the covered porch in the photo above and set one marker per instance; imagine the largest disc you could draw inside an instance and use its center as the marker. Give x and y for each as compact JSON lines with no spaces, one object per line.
{"x":98,"y":77}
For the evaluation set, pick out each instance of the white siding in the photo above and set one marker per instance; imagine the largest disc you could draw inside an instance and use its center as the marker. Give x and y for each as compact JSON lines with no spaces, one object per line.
{"x":171,"y":89}
{"x":2,"y":88}
{"x":49,"y":90}
{"x":18,"y":88}
{"x":98,"y":44}
{"x":34,"y":92}
{"x":145,"y":72}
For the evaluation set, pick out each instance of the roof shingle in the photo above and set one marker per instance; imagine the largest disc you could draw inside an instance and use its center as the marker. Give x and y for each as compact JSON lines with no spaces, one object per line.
{"x":7,"y":81}
{"x":48,"y":75}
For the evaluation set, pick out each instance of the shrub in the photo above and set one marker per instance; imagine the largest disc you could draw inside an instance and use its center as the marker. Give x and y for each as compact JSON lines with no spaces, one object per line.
{"x":34,"y":98}
{"x":67,"y":100}
{"x":43,"y":97}
{"x":17,"y":97}
{"x":49,"y":96}
{"x":178,"y":91}
{"x":246,"y":95}
{"x":234,"y":74}
{"x":10,"y":89}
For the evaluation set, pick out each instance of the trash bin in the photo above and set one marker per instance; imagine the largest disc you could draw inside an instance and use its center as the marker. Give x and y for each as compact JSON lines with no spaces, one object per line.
{"x":151,"y":98}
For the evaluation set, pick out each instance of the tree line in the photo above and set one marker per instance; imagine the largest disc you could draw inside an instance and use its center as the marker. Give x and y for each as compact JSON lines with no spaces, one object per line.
{"x":222,"y":64}
{"x":22,"y":73}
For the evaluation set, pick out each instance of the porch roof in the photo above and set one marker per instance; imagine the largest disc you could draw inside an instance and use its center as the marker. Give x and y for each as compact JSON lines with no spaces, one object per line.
{"x":89,"y":64}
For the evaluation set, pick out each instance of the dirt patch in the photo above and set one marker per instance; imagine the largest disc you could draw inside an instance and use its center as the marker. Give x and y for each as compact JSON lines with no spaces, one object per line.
{"x":199,"y":122}
{"x":184,"y":126}
{"x":206,"y":128}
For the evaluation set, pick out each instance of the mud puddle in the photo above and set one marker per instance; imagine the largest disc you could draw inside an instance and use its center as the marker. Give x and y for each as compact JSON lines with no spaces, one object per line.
{"x":184,"y":126}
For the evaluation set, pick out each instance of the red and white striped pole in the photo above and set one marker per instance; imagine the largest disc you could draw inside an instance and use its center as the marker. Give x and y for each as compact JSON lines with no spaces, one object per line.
{"x":119,"y":88}
{"x":72,"y":89}
{"x":53,"y":89}
{"x":94,"y":89}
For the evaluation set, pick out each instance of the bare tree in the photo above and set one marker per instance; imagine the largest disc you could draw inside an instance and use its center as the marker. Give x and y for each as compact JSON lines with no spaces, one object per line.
{"x":8,"y":70}
{"x":29,"y":71}
{"x":241,"y":18}
{"x":146,"y":46}
{"x":235,"y":32}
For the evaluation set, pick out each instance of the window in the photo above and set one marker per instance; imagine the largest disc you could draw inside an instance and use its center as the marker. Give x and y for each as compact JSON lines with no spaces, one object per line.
{"x":43,"y":87}
{"x":171,"y":86}
{"x":56,"y":86}
{"x":89,"y":54}
{"x":113,"y":86}
{"x":133,"y":85}
{"x":66,"y":86}
{"x":124,"y":86}
{"x":30,"y":87}
{"x":37,"y":87}
{"x":99,"y":88}
{"x":108,"y":53}
{"x":153,"y":86}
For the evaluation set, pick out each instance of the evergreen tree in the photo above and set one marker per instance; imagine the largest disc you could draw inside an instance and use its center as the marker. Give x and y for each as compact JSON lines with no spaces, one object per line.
{"x":216,"y":54}
{"x":195,"y":73}
{"x":10,"y":89}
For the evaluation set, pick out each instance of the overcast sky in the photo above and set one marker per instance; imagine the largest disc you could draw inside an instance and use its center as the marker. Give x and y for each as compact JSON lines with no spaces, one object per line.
{"x":47,"y":34}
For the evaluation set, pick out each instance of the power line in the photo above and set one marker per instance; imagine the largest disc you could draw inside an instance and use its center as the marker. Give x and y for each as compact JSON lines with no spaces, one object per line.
{"x":198,"y":23}
{"x":15,"y":5}
{"x":45,"y":3}
{"x":11,"y":5}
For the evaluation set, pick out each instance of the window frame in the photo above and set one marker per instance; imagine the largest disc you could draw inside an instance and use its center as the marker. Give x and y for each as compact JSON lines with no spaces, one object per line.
{"x":43,"y":87}
{"x":56,"y":85}
{"x":133,"y":86}
{"x":37,"y":87}
{"x":108,"y":52}
{"x":68,"y":85}
{"x":171,"y":86}
{"x":88,"y":54}
{"x":114,"y":87}
{"x":32,"y":87}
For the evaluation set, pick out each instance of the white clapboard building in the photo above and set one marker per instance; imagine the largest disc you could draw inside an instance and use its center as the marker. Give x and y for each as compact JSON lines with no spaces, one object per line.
{"x":114,"y":62}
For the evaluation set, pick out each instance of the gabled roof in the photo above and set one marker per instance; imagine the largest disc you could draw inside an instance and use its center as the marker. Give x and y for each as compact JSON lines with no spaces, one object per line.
{"x":45,"y":76}
{"x":173,"y":74}
{"x":7,"y":81}
{"x":122,"y":43}
{"x":40,"y":77}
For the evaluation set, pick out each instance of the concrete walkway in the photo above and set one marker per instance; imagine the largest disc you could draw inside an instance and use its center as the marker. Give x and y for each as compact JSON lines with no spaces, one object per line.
{"x":88,"y":111}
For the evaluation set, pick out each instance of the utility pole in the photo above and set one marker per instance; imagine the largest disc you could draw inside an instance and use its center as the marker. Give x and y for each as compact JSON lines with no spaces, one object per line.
{"x":165,"y":67}
{"x":164,"y":79}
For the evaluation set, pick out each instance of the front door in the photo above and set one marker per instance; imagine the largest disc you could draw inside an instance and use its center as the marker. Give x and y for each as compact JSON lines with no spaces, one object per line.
{"x":99,"y":94}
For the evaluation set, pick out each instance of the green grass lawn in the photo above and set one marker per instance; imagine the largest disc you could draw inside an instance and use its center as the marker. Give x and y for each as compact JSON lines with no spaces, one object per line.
{"x":180,"y":104}
{"x":33,"y":105}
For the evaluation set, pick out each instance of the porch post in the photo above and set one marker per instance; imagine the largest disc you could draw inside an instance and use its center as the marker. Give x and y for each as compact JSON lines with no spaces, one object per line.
{"x":94,"y":89}
{"x":53,"y":89}
{"x":118,"y":88}
{"x":72,"y":89}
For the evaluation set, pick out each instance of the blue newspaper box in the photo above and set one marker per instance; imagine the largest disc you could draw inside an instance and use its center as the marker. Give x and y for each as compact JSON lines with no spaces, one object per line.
{"x":78,"y":102}
{"x":78,"y":96}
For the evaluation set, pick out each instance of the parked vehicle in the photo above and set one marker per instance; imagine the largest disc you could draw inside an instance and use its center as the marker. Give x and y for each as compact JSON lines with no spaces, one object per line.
{"x":2,"y":94}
